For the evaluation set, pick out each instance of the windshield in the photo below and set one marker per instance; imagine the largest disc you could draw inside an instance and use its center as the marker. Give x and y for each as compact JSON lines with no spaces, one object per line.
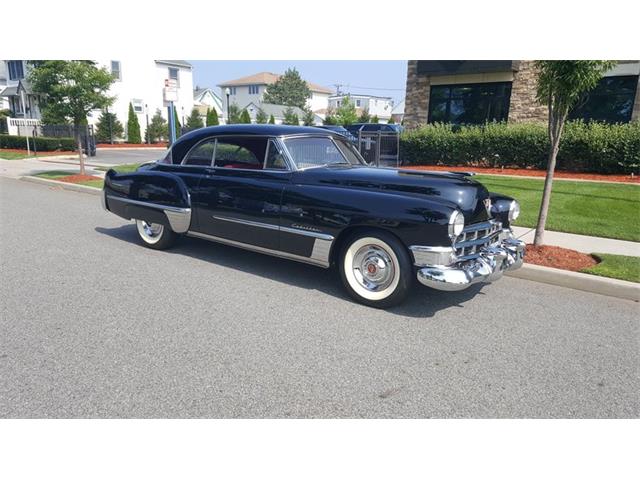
{"x":320,"y":151}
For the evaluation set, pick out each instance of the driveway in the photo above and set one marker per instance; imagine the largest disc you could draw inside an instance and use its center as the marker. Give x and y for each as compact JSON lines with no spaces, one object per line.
{"x":119,"y":156}
{"x":95,"y":325}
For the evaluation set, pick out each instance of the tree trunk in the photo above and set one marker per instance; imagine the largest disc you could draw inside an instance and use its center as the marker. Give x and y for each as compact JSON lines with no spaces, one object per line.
{"x":556,"y":125}
{"x":80,"y":156}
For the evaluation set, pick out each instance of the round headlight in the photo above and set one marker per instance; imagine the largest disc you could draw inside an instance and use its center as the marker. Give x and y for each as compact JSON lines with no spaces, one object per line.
{"x":514,"y":211}
{"x":456,"y":224}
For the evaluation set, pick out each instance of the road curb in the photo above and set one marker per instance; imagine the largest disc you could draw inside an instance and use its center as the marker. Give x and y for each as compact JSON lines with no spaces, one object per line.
{"x":579,"y":281}
{"x":64,"y":185}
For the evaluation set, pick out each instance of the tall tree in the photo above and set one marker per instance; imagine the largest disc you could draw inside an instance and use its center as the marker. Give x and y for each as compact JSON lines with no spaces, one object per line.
{"x":194,"y":120}
{"x":212,"y":117}
{"x":70,"y":90}
{"x":290,"y":90}
{"x":157,"y":128}
{"x":272,"y":120}
{"x":108,"y":126}
{"x":308,"y":118}
{"x":261,"y":117}
{"x":346,"y":112}
{"x":133,"y":127}
{"x":560,"y":85}
{"x":245,"y":117}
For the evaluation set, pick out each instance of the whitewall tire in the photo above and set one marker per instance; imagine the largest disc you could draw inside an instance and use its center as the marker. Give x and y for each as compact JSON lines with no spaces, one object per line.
{"x":155,"y":235}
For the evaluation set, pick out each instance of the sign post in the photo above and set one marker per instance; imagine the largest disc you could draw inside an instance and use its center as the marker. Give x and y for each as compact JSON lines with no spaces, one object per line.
{"x":171,"y":95}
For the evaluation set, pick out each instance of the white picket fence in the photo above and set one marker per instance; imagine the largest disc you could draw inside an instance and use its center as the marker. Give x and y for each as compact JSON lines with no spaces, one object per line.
{"x":23,"y":126}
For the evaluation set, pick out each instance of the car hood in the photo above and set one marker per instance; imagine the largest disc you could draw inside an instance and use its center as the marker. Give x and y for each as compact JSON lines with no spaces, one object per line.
{"x":457,"y":189}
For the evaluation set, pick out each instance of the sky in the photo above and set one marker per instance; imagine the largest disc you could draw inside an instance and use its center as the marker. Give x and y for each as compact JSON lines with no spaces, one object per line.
{"x":380,"y":77}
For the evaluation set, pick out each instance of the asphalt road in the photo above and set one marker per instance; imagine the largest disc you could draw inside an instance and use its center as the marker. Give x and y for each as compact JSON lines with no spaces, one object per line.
{"x":121,"y":156}
{"x":95,"y":325}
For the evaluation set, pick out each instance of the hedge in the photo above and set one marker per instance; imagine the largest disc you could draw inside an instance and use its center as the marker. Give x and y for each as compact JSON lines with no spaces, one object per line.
{"x":42,"y":144}
{"x":585,"y":147}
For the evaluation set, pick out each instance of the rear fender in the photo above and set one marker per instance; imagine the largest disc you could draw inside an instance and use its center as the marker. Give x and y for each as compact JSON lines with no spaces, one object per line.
{"x":157,"y":197}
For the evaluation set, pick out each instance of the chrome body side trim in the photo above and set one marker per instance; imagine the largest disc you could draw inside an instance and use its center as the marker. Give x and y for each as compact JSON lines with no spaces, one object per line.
{"x":179,"y":218}
{"x":270,"y":226}
{"x":276,"y":253}
{"x":489,"y":265}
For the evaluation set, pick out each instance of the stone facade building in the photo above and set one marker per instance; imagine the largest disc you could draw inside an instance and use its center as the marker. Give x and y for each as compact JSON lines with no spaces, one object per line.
{"x":477,"y":91}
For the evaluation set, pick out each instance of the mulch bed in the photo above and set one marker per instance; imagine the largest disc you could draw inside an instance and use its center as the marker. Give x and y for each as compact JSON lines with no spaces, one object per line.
{"x":77,"y":178}
{"x":525,"y":172}
{"x":558,"y":257}
{"x":131,"y":145}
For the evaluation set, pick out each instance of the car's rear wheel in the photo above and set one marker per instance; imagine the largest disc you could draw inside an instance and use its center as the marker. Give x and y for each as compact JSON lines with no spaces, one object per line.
{"x":155,"y":235}
{"x":376,"y":269}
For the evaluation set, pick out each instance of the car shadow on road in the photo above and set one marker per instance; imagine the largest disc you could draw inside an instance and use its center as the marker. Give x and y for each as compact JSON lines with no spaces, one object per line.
{"x":422,"y":302}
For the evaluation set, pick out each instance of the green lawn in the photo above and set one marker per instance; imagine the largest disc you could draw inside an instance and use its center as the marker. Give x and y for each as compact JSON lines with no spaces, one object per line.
{"x":56,"y":174}
{"x":616,"y":266}
{"x":127,"y":167}
{"x":13,"y":155}
{"x":588,"y":208}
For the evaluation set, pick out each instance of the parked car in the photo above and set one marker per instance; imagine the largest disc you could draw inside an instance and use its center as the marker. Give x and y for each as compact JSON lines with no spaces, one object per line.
{"x":341,"y":130}
{"x":356,"y":128}
{"x":305,"y":194}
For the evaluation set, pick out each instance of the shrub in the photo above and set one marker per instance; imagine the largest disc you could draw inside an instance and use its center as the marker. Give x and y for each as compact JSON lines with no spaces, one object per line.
{"x":133,"y":127}
{"x":585,"y":147}
{"x":104,"y":131}
{"x":212,"y":117}
{"x":42,"y":144}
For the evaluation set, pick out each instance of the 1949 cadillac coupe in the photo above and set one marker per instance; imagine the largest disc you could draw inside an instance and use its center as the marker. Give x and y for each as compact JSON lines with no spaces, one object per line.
{"x":306,"y":194}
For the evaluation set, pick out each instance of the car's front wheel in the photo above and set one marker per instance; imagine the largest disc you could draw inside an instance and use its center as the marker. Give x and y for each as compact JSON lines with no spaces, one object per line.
{"x":376,"y":269}
{"x":155,"y":235}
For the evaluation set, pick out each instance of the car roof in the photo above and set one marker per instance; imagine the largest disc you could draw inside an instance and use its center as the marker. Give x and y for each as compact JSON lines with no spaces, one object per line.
{"x":254,"y":129}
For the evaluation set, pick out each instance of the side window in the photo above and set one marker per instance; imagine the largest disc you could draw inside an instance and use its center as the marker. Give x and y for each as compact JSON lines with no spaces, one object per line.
{"x":240,"y":152}
{"x":201,"y":154}
{"x":275,"y":158}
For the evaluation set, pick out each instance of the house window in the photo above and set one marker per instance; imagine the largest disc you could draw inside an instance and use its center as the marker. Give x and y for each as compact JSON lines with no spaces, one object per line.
{"x":16,"y":69}
{"x":174,"y":75}
{"x":254,"y":89}
{"x":472,"y":104}
{"x":611,"y":101}
{"x":232,"y":90}
{"x":115,"y":70}
{"x":358,"y":102}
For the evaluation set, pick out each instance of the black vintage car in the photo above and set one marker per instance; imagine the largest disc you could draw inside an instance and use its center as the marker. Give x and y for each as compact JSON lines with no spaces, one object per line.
{"x":306,"y":194}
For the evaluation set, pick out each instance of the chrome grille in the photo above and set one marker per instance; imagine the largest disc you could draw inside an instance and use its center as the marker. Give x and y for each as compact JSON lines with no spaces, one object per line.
{"x":475,"y":237}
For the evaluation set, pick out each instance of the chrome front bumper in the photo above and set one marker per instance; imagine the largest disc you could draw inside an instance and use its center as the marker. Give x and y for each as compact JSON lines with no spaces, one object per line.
{"x":489,"y":266}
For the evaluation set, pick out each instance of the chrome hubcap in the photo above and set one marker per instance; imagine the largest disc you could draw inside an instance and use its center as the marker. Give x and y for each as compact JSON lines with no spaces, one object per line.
{"x":373,"y":268}
{"x":152,"y":229}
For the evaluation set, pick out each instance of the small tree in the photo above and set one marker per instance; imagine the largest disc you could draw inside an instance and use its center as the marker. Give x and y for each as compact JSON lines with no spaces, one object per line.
{"x":157,"y":128}
{"x":261,"y":117}
{"x":346,"y":112}
{"x":133,"y":127}
{"x":364,"y":116}
{"x":391,"y":121}
{"x":374,"y":119}
{"x":308,"y":118}
{"x":272,"y":120}
{"x":329,"y":118}
{"x":290,"y":90}
{"x":234,"y":114}
{"x":561,"y":84}
{"x":212,"y":117}
{"x":69,"y":91}
{"x":245,"y":117}
{"x":108,"y":126}
{"x":290,"y":117}
{"x":194,"y":120}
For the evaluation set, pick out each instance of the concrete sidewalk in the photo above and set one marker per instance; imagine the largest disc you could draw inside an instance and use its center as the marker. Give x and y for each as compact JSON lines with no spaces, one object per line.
{"x":581,"y":243}
{"x":33,"y":166}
